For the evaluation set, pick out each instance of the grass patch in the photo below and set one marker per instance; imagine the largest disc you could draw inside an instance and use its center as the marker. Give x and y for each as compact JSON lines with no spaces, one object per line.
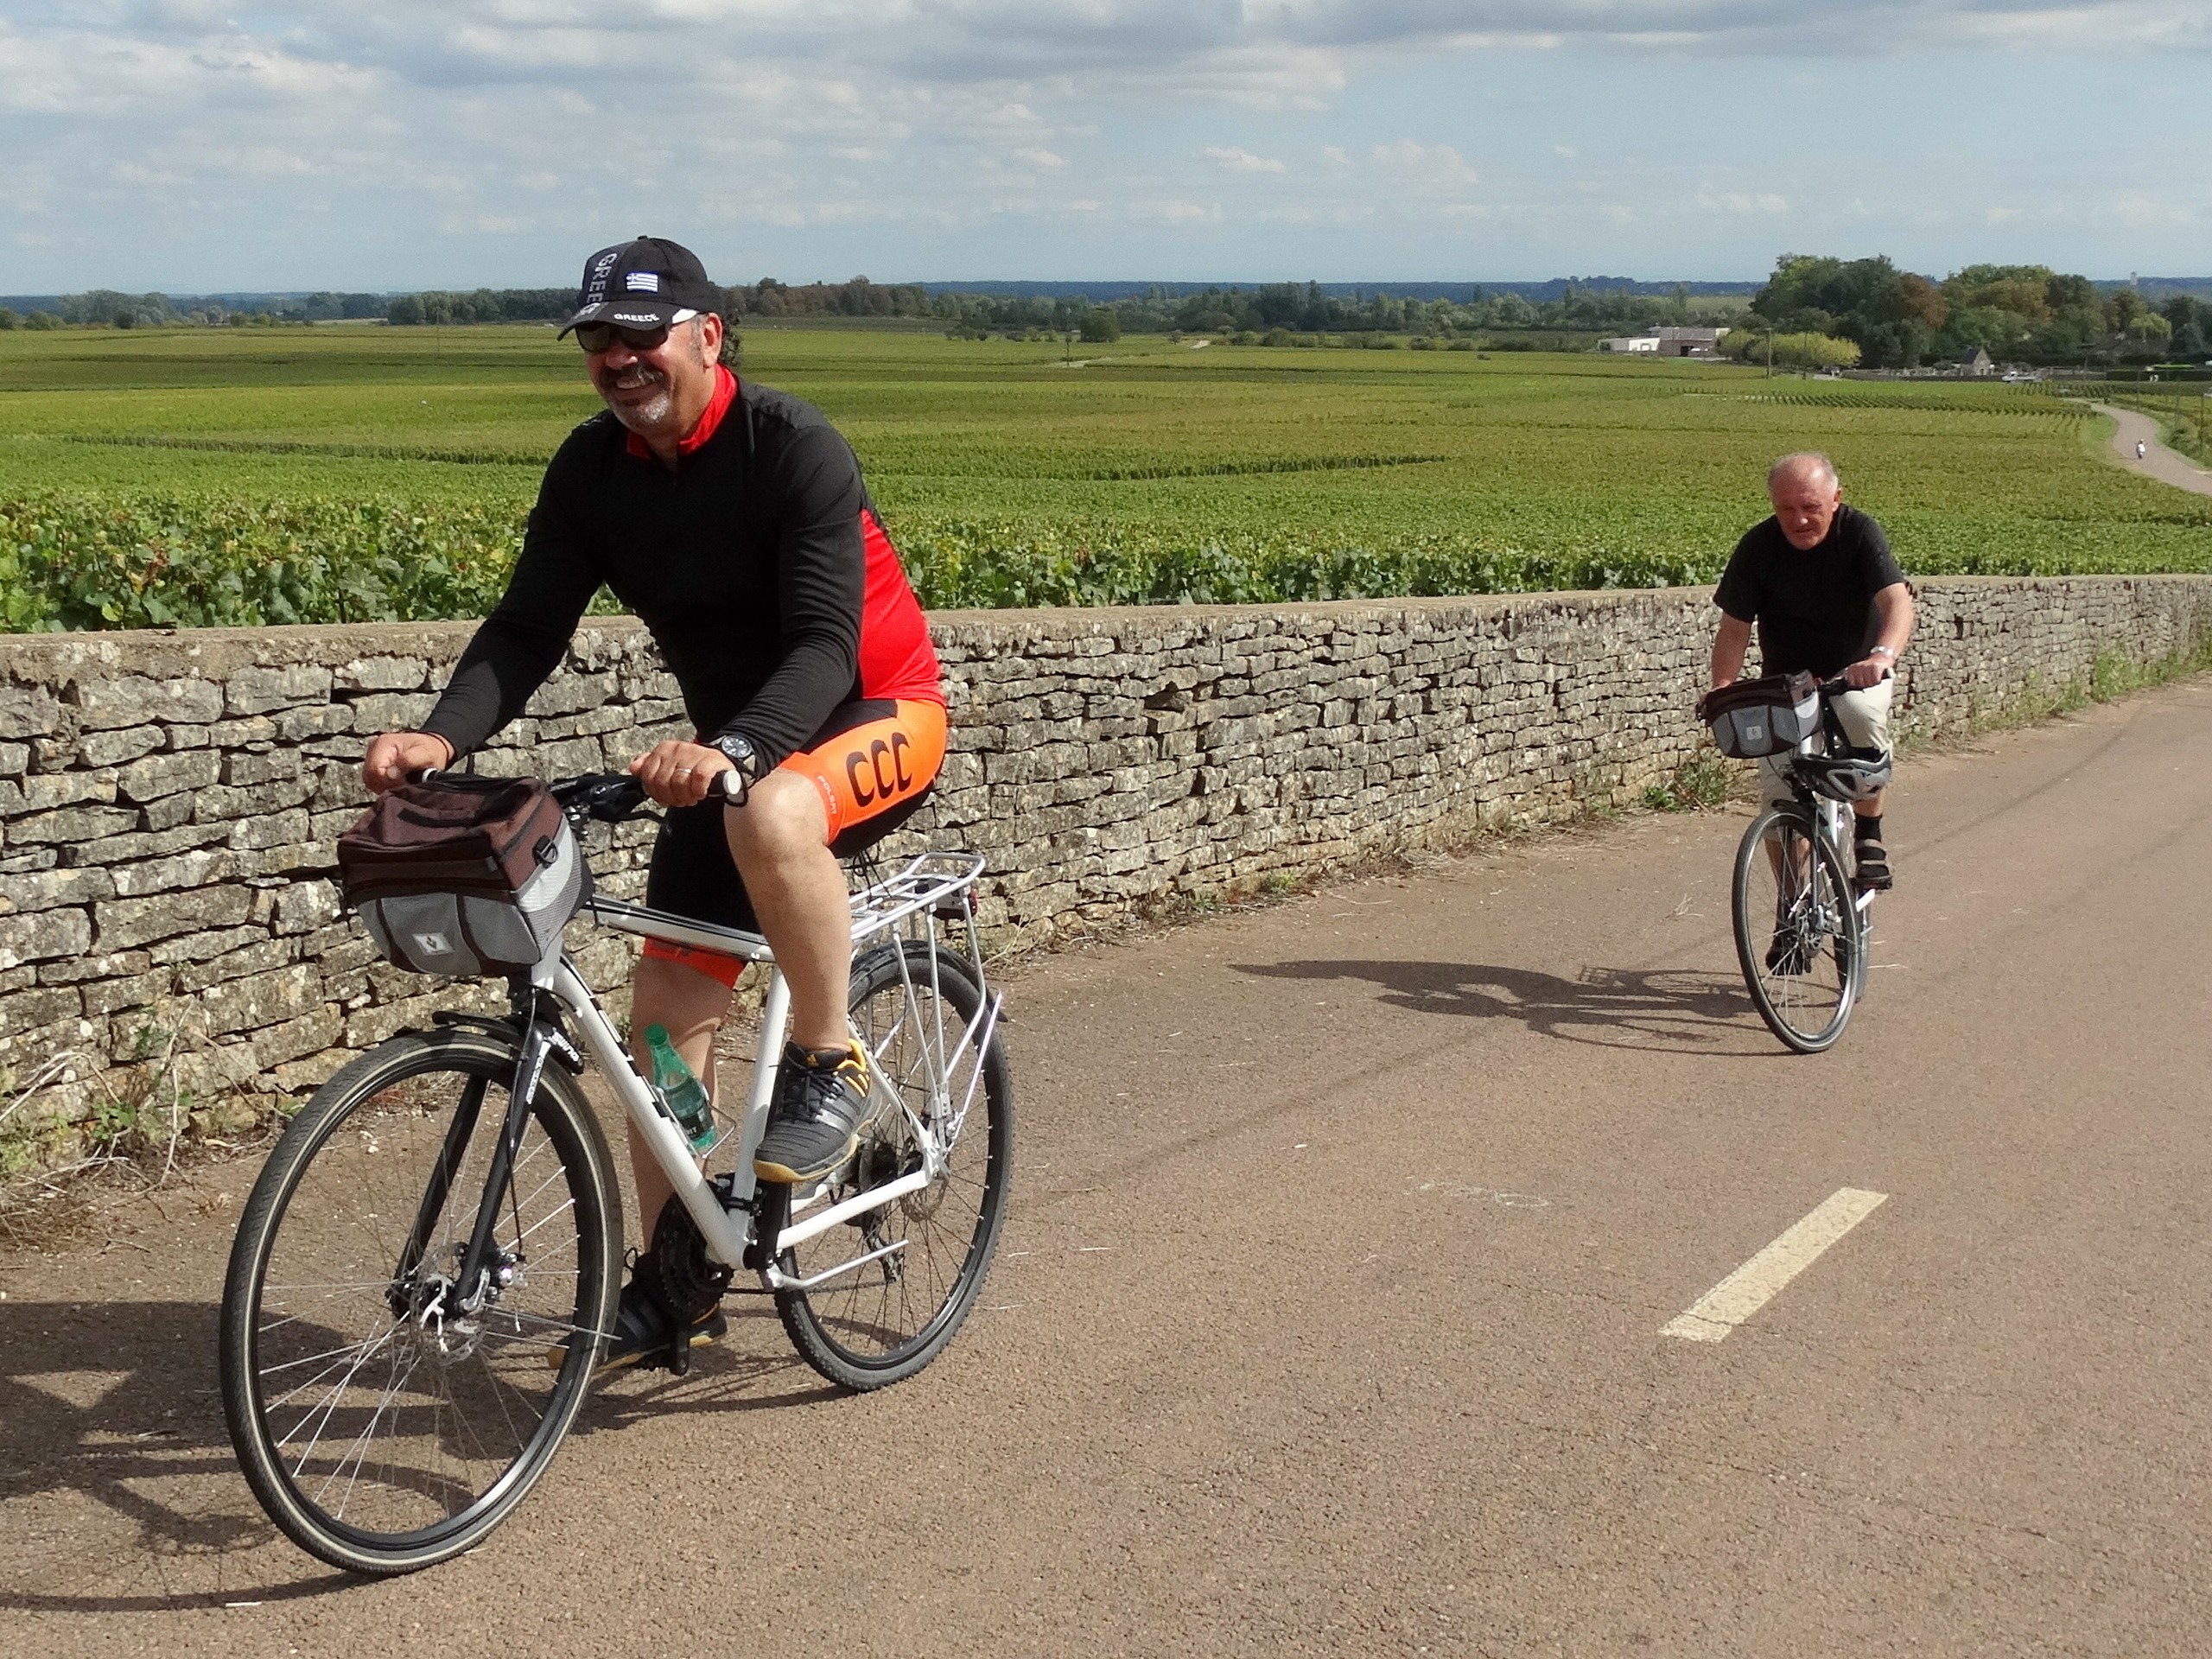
{"x":1701,"y":783}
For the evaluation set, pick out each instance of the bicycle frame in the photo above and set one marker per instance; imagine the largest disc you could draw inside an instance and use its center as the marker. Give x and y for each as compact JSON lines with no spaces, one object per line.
{"x":728,"y":1209}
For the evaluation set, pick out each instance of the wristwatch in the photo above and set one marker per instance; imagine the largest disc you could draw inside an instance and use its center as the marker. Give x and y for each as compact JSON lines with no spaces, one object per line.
{"x":744,"y":757}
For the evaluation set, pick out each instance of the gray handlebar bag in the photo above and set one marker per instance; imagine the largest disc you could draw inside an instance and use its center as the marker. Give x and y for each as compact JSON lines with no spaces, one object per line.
{"x":469,"y":877}
{"x":1769,"y":716}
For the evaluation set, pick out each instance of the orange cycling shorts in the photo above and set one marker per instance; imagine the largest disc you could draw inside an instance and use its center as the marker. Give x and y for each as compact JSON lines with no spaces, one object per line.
{"x":871,"y":764}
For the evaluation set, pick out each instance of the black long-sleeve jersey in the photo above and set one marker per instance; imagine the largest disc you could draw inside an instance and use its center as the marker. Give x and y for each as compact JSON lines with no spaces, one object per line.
{"x":758,"y":565}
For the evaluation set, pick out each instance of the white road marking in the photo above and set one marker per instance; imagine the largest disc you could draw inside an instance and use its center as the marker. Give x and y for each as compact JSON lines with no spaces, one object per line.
{"x":1754,"y":1284}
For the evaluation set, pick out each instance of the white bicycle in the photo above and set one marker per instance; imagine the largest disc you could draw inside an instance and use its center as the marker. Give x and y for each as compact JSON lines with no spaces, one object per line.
{"x":428,"y":1266}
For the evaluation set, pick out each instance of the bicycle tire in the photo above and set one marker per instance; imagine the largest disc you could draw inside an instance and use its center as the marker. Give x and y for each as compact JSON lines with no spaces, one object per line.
{"x":1801,"y":946}
{"x":415,"y":1433}
{"x":884,"y":1322}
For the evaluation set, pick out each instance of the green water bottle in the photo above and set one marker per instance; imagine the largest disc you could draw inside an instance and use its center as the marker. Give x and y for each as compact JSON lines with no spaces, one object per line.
{"x":682,"y":1093}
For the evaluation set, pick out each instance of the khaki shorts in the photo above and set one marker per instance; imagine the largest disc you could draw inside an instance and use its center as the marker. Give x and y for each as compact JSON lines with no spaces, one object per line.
{"x":1865,"y":717}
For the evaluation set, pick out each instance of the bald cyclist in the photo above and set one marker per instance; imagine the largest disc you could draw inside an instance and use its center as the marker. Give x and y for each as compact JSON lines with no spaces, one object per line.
{"x":1819,"y":582}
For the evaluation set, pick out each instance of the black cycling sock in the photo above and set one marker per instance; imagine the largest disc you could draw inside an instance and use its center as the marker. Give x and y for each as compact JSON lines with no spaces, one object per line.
{"x":1870,"y":829}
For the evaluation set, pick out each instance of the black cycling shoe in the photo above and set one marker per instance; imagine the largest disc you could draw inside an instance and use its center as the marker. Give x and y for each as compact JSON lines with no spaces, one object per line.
{"x":814,"y":1121}
{"x":644,"y":1334}
{"x":1873,"y":861}
{"x":1789,"y":956}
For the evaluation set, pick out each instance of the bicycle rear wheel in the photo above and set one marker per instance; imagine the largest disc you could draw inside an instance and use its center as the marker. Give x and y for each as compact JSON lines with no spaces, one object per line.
{"x":1798,"y":934}
{"x":383,"y":1428}
{"x":884,"y":1319}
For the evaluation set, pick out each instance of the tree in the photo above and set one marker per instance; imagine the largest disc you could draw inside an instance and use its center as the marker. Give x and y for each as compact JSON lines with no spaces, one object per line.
{"x":1101,"y":325}
{"x":8,"y":319}
{"x":2025,"y":290}
{"x":1815,"y":351}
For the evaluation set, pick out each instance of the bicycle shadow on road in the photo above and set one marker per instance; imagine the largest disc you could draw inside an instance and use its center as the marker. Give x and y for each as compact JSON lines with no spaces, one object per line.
{"x":119,"y":1493}
{"x":1661,"y":1009}
{"x":740,"y":1373}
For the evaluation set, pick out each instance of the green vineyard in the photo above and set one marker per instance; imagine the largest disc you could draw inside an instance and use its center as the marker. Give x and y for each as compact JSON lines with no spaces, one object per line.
{"x":356,"y":473}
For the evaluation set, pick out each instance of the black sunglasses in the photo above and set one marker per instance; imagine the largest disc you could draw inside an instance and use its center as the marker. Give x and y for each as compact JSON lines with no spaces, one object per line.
{"x":597,"y":337}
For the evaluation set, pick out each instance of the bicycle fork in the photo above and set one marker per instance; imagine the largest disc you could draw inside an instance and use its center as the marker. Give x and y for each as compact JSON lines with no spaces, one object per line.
{"x":478,"y":1276}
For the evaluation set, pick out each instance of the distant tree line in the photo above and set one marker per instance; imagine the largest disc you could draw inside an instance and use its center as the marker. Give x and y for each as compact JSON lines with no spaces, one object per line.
{"x":2020,"y":314}
{"x":105,"y":308}
{"x":483,"y":305}
{"x":1282,"y":305}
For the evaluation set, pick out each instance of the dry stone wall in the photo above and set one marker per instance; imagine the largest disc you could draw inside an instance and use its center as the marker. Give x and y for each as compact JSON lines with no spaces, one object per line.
{"x":168,"y":801}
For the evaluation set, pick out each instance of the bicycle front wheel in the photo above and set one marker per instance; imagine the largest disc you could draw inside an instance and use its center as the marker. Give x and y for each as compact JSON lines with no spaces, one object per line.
{"x":884,"y":1319}
{"x":1798,"y":936}
{"x":384,"y":1424}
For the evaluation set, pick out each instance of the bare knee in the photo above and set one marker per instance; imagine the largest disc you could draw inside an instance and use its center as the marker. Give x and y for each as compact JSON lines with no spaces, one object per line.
{"x":782,"y":817}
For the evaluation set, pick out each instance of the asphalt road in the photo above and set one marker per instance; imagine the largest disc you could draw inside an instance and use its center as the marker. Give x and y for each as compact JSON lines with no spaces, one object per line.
{"x":2167,"y":466}
{"x":1329,"y":1317}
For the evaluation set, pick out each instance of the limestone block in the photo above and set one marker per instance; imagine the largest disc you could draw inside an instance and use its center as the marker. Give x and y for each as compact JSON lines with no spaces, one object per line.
{"x":159,"y":775}
{"x":192,"y":869}
{"x":313,"y":1033}
{"x":260,"y":1000}
{"x":71,"y":824}
{"x":380,"y":674}
{"x":316,"y":719}
{"x":390,"y":711}
{"x":80,"y":969}
{"x":46,"y":889}
{"x":261,"y":956}
{"x":128,"y":992}
{"x":256,"y":834}
{"x":125,"y":922}
{"x":303,"y":1076}
{"x":222,"y":802}
{"x":24,"y":1011}
{"x":38,"y":935}
{"x":304,"y":907}
{"x":114,"y":748}
{"x":31,"y":711}
{"x":117,"y":849}
{"x":255,"y":690}
{"x":135,"y":700}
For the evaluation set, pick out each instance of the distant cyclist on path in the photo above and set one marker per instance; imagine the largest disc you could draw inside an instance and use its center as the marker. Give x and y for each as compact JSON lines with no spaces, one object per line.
{"x":1820,"y":583}
{"x":733,"y":520}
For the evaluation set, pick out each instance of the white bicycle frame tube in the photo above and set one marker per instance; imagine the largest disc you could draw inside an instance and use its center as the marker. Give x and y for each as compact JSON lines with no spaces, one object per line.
{"x":723,"y":1229}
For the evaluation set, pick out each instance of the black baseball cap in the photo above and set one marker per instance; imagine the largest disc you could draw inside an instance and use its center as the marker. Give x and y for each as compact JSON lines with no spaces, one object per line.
{"x":643,"y":283}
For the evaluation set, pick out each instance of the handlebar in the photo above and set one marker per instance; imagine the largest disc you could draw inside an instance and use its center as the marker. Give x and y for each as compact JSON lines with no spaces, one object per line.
{"x":615,"y":797}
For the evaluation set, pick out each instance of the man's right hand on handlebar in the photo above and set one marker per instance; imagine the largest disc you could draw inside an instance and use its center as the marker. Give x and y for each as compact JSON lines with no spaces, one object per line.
{"x":394,"y":757}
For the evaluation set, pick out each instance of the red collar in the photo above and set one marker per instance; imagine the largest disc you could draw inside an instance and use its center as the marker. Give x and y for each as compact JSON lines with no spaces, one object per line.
{"x":725,"y":394}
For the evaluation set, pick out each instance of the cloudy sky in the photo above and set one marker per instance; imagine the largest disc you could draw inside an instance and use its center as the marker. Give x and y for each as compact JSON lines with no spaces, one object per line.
{"x":196,"y":145}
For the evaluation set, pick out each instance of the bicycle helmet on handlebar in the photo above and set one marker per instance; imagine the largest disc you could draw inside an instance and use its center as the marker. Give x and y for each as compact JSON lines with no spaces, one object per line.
{"x":1846,"y":775}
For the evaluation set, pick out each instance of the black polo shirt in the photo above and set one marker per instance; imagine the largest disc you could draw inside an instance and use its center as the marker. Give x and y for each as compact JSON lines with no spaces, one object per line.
{"x":1815,"y":606}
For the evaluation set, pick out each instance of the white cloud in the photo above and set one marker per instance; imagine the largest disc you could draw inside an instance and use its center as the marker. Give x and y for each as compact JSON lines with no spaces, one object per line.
{"x":1437,"y":166}
{"x":1232,"y":159}
{"x":1742,"y":203}
{"x":139,"y":127}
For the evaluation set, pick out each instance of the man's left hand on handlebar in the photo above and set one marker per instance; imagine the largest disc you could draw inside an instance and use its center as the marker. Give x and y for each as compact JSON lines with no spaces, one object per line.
{"x":679,"y":774}
{"x":1868,"y":671}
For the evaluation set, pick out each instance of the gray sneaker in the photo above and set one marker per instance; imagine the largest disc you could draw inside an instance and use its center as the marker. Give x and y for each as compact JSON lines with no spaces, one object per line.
{"x":814,"y":1121}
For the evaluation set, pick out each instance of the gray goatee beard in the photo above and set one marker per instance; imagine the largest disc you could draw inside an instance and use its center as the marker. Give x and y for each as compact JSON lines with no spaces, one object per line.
{"x":648,"y":417}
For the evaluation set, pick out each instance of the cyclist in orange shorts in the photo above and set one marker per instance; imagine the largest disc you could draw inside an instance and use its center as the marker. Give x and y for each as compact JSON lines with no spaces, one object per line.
{"x":734,"y":521}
